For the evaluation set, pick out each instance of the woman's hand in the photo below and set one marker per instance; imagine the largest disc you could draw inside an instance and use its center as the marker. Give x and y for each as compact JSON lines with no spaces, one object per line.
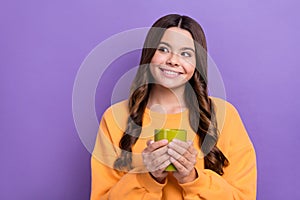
{"x":183,"y":155}
{"x":156,"y":159}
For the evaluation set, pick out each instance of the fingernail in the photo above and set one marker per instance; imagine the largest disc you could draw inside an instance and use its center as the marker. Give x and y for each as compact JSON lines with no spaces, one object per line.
{"x":164,"y":141}
{"x":171,"y":144}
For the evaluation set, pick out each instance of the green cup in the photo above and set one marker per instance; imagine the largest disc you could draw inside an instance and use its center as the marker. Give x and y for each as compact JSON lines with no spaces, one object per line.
{"x":170,"y":134}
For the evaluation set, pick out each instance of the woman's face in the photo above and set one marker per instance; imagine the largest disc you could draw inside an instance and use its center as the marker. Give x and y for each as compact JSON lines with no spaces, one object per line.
{"x":174,"y":61}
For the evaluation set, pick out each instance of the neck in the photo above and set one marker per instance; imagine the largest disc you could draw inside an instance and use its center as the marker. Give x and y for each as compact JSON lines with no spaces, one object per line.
{"x":165,"y":100}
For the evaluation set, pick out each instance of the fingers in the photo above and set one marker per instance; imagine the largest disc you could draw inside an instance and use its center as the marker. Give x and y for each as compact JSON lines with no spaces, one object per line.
{"x":159,"y":172}
{"x":178,"y":149}
{"x":183,"y":164}
{"x":183,"y":170}
{"x":151,"y":146}
{"x":160,"y":162}
{"x":156,"y":149}
{"x":183,"y":156}
{"x":158,"y":155}
{"x":164,"y":164}
{"x":155,"y":156}
{"x":149,"y":142}
{"x":180,"y":146}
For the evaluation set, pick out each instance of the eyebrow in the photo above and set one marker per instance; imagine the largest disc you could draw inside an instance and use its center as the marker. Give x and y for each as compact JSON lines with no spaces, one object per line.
{"x":184,"y":48}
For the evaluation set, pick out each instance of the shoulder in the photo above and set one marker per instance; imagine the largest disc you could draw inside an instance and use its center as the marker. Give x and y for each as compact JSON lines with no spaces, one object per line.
{"x":230,"y":125}
{"x":119,"y":108}
{"x":223,"y":108}
{"x":221,"y":102}
{"x":228,"y":117}
{"x":116,"y":114}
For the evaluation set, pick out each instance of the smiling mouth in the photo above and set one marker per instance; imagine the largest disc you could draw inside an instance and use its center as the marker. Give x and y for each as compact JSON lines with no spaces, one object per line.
{"x":170,"y":72}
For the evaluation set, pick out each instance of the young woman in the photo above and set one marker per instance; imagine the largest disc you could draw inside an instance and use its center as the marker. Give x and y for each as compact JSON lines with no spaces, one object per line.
{"x":170,"y":91}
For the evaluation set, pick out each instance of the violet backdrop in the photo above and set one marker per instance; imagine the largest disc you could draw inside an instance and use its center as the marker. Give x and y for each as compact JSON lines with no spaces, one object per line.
{"x":255,"y":45}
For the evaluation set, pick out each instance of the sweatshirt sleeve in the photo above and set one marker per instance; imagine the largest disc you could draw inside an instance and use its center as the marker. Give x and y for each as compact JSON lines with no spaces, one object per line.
{"x":111,"y":184}
{"x":108,"y":183}
{"x":239,"y":179}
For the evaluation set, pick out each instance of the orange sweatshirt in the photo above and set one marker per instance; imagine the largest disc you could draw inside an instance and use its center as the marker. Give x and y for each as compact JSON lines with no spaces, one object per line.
{"x":238,"y":181}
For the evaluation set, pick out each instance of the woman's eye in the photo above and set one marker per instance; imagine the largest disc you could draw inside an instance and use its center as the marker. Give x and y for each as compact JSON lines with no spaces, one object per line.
{"x":163,"y":49}
{"x":186,"y":54}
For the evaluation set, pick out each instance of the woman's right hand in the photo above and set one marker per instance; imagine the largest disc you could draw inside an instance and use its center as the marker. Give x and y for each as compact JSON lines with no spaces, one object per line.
{"x":156,"y":159}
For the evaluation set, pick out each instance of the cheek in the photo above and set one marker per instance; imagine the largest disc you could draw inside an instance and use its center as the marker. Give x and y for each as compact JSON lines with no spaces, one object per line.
{"x":190,"y":72}
{"x":151,"y":67}
{"x":154,"y":59}
{"x":190,"y":67}
{"x":157,"y":58}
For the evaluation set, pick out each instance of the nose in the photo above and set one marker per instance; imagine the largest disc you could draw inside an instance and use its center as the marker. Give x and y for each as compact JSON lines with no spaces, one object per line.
{"x":173,"y":60}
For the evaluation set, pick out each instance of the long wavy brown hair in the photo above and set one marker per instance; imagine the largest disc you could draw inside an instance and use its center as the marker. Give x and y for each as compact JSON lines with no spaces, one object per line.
{"x":202,"y":116}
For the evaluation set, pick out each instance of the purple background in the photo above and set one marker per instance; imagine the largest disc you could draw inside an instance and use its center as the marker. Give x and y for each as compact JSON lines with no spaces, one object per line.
{"x":43,"y":43}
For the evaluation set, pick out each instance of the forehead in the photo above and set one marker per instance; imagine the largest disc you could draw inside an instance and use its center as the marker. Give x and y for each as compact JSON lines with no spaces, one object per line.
{"x":178,"y":37}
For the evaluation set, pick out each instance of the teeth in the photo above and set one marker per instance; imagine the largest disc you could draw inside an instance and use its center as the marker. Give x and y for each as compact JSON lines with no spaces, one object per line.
{"x":170,"y":72}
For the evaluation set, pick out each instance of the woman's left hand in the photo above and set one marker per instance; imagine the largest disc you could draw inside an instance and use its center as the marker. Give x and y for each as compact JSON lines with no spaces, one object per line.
{"x":183,"y":156}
